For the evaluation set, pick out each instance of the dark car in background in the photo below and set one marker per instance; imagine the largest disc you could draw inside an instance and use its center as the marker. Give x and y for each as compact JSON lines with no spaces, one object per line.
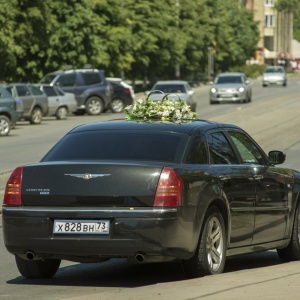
{"x":151,"y":191}
{"x":34,"y":101}
{"x":8,"y":111}
{"x":231,"y":87}
{"x":123,"y":94}
{"x":92,"y":91}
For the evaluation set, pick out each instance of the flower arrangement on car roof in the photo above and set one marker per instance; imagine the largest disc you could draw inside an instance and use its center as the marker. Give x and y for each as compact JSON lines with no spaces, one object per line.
{"x":164,"y":110}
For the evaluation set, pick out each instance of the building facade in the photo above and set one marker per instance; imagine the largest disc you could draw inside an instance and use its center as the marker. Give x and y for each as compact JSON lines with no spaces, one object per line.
{"x":276,"y":32}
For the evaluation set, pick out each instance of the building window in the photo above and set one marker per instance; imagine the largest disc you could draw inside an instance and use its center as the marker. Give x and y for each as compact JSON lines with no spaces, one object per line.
{"x":269,"y":20}
{"x":269,"y":3}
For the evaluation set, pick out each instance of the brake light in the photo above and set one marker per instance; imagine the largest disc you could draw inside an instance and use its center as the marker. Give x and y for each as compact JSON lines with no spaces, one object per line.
{"x":127,"y":91}
{"x":13,"y":191}
{"x":169,"y":191}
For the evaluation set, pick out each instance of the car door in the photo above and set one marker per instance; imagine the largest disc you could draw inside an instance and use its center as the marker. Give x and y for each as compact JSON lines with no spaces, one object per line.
{"x":236,"y":182}
{"x":27,"y":99}
{"x":272,"y":191}
{"x":53,"y":99}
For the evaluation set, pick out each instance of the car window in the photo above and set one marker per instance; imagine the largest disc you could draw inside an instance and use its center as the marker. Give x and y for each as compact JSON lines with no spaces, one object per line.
{"x":66,"y":80}
{"x":229,"y":79}
{"x":4,"y":93}
{"x":248,"y":151}
{"x":35,"y":91}
{"x":220,"y":150}
{"x":197,"y":153}
{"x":22,"y":90}
{"x":113,"y":145}
{"x":170,"y":88}
{"x":91,"y":78}
{"x":49,"y":91}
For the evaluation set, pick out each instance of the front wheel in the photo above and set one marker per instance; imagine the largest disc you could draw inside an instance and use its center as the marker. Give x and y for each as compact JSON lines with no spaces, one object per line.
{"x":210,"y":255}
{"x":5,"y":125}
{"x":37,"y":268}
{"x":292,"y":251}
{"x":94,"y":106}
{"x":117,"y":105}
{"x":61,"y":113}
{"x":36,"y":116}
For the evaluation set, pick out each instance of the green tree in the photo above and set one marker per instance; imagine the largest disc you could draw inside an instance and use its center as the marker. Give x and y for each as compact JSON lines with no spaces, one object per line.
{"x":9,"y":49}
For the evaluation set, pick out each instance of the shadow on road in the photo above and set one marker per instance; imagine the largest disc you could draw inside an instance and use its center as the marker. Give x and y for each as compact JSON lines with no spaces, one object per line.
{"x":119,"y":273}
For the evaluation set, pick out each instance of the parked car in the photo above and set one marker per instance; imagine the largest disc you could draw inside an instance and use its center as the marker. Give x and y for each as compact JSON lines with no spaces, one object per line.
{"x":123,"y":94}
{"x":8,"y":111}
{"x":177,"y":90}
{"x":274,"y":75}
{"x":92,"y":91}
{"x":60,"y":103}
{"x":35,"y":102}
{"x":230,"y":87}
{"x":197,"y":192}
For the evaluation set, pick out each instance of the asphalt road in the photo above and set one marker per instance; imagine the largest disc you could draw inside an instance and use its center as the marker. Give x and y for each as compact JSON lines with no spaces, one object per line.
{"x":272,"y":119}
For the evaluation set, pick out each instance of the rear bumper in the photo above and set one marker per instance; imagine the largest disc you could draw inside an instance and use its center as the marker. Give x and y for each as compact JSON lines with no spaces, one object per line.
{"x":151,"y":232}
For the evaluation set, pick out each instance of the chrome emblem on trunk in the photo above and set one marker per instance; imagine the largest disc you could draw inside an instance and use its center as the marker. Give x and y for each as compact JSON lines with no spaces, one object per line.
{"x":87,"y":176}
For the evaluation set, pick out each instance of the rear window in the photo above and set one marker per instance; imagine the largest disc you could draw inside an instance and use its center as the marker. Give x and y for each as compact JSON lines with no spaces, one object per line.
{"x":170,"y":88}
{"x":116,"y":145}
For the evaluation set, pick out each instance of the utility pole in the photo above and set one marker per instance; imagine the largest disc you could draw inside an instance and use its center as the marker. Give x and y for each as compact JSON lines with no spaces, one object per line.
{"x":177,"y":66}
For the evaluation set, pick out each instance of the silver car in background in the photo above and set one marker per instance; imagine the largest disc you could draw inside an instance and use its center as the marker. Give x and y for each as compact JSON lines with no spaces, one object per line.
{"x":230,"y":87}
{"x":177,"y":90}
{"x":274,"y":75}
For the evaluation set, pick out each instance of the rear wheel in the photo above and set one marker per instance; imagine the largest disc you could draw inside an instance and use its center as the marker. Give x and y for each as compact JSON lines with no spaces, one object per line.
{"x":4,"y":125}
{"x":94,"y":106}
{"x":36,"y":116}
{"x":37,"y":268}
{"x":61,"y":113}
{"x":292,"y":251}
{"x":209,"y":258}
{"x":117,"y":105}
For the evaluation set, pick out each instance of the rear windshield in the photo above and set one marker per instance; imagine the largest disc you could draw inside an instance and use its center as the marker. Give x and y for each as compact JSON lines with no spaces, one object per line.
{"x":124,"y":145}
{"x":170,"y":88}
{"x":274,"y":70}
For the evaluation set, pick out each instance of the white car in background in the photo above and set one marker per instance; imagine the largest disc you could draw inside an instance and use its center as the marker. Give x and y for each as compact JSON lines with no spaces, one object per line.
{"x":60,"y":103}
{"x":274,"y":75}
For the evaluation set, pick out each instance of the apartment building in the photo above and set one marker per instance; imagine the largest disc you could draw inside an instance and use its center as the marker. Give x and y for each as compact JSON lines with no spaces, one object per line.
{"x":276,"y":32}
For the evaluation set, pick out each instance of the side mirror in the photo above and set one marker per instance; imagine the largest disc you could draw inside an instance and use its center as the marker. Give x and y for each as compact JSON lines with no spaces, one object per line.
{"x":276,"y":157}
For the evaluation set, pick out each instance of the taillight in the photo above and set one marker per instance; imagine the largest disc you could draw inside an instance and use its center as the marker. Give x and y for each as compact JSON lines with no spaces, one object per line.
{"x":169,"y":191}
{"x":13,"y":191}
{"x":127,"y":91}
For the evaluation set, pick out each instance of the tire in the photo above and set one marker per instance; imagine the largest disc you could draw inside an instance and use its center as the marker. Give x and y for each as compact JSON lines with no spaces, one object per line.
{"x":292,"y":251}
{"x":37,"y":268}
{"x":5,"y":125}
{"x":36,"y":116}
{"x":94,"y":106}
{"x":210,"y":255}
{"x":61,"y":113}
{"x":117,"y":105}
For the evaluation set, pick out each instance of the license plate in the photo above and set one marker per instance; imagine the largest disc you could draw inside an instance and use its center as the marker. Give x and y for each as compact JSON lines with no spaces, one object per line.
{"x":81,"y":227}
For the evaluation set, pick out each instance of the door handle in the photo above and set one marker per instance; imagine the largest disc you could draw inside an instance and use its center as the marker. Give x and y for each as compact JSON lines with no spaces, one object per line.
{"x":224,"y":177}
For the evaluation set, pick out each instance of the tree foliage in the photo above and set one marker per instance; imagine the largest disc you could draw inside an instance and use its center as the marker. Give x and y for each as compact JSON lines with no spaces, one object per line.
{"x":138,"y":38}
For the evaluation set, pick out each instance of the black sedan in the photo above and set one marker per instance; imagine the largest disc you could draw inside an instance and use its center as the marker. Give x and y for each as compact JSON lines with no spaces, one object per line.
{"x":196,"y":192}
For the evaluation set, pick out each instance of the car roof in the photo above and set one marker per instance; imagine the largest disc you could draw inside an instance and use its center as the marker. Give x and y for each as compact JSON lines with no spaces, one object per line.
{"x":231,"y":74}
{"x":171,"y":82}
{"x":184,"y":128}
